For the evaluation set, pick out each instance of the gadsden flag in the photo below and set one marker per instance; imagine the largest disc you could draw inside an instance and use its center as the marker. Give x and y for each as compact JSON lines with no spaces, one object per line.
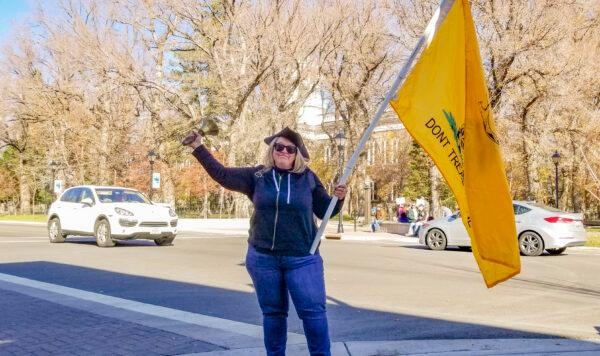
{"x":444,"y":105}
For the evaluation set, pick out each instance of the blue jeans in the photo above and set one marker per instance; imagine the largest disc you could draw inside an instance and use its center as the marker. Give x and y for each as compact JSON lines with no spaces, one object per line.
{"x":302,"y":277}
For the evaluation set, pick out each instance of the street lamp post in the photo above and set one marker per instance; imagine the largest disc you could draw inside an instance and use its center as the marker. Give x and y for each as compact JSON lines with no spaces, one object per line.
{"x":556,"y":159}
{"x":340,"y":139}
{"x":151,"y":159}
{"x":368,"y":187}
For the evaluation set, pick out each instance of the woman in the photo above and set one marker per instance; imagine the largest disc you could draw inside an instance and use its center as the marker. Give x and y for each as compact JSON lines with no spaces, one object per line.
{"x":285,"y":194}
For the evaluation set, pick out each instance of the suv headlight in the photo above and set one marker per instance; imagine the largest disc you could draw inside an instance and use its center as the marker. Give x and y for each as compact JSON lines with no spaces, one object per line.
{"x":123,"y":212}
{"x":172,"y":212}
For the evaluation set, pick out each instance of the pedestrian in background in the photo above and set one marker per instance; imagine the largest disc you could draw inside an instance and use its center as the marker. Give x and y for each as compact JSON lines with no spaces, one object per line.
{"x":285,"y":194}
{"x":401,"y":214}
{"x":413,"y":219}
{"x":377,"y":217}
{"x":422,"y":216}
{"x":446,"y":212}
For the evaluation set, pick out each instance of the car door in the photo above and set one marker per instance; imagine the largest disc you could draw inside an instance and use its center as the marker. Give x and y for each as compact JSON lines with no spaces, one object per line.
{"x":457,"y":234}
{"x":85,"y":214}
{"x":68,"y":218}
{"x":58,"y":207}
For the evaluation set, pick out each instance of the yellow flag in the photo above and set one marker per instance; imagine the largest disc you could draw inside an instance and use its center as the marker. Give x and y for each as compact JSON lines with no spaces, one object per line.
{"x":444,"y":105}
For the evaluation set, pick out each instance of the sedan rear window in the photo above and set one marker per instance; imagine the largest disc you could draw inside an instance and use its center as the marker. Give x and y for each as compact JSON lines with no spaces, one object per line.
{"x":520,"y":209}
{"x":108,"y":195}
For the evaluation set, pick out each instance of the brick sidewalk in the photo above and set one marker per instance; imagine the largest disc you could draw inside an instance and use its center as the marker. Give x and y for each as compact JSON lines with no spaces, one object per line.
{"x":38,"y":327}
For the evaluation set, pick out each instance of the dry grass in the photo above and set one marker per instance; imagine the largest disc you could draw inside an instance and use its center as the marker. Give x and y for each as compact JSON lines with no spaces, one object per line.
{"x":35,"y":218}
{"x":593,"y":238}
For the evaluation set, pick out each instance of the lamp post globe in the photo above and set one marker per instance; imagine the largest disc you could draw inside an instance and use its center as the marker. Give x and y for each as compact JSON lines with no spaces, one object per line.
{"x":340,"y":139}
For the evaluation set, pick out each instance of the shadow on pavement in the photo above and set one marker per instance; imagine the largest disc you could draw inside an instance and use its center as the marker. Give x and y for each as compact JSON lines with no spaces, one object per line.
{"x":347,"y":322}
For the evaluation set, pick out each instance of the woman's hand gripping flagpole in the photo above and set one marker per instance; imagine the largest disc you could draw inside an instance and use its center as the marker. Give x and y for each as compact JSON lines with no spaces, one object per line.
{"x":435,"y":21}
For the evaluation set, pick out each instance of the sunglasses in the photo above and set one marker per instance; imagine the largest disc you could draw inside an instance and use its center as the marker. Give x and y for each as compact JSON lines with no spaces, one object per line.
{"x":290,"y":149}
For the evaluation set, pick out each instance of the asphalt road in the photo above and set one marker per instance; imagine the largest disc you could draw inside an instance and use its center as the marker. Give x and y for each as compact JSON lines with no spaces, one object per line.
{"x":377,"y":290}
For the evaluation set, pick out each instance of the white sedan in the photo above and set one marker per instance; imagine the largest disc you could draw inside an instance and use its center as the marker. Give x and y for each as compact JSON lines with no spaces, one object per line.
{"x":539,"y":228}
{"x":109,"y":214}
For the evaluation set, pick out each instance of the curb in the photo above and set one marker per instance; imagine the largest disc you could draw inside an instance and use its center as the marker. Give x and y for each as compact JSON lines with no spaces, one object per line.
{"x":452,"y":347}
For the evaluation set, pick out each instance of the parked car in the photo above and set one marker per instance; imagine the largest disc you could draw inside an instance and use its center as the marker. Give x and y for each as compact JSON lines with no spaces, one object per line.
{"x":539,"y":228}
{"x":109,"y":214}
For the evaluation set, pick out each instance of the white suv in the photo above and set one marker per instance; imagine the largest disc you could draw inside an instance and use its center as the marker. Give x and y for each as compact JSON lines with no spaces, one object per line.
{"x":110,"y":213}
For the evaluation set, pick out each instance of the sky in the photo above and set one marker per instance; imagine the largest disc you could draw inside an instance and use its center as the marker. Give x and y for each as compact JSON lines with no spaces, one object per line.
{"x":12,"y":10}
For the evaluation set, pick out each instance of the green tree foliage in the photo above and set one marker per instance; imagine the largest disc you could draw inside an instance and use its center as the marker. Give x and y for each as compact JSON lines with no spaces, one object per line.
{"x":445,"y":193}
{"x":417,"y":183}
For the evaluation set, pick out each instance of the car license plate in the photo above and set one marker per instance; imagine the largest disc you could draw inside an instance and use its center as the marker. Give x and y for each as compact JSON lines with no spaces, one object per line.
{"x":155,"y":231}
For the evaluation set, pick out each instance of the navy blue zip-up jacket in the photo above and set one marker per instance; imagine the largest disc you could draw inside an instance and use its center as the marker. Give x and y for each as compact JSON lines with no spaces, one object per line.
{"x":284,"y":203}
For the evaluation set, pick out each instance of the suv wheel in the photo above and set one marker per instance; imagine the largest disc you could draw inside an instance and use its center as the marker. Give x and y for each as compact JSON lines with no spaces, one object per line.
{"x":103,"y":236}
{"x":164,"y":241}
{"x":55,"y":233}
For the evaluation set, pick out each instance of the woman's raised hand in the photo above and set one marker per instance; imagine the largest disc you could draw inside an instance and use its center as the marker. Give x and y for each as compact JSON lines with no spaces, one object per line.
{"x":193,"y":140}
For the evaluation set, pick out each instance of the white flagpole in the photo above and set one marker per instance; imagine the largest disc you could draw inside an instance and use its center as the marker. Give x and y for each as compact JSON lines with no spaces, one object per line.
{"x":430,"y":30}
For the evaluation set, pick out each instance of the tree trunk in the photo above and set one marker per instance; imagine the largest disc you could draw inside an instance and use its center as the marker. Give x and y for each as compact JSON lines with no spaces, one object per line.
{"x":24,"y":191}
{"x":168,"y":187}
{"x":205,"y":203}
{"x":435,"y":208}
{"x":573,"y":174}
{"x":230,"y":205}
{"x":104,"y":150}
{"x":221,"y":201}
{"x":238,"y":208}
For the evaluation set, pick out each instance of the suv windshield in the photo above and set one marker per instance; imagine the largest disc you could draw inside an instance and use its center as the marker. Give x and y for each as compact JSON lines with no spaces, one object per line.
{"x":108,"y":195}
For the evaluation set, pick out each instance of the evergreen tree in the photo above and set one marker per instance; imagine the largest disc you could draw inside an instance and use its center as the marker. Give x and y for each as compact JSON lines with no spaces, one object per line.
{"x":417,"y":184}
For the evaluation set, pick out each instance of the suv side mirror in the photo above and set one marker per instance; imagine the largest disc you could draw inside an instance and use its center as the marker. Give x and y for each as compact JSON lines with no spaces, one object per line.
{"x":87,"y":201}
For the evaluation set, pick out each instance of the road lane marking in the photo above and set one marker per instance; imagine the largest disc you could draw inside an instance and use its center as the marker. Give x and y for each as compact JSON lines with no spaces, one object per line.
{"x":174,"y":319}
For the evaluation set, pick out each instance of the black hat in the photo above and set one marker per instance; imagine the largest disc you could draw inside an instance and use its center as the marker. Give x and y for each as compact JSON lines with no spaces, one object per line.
{"x":292,"y":136}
